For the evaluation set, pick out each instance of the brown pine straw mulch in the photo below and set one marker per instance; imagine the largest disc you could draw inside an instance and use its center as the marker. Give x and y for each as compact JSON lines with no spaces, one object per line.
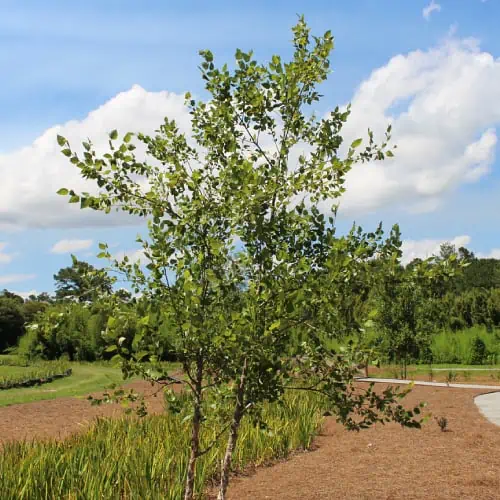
{"x":59,"y":418}
{"x":385,"y":462}
{"x":389,"y":462}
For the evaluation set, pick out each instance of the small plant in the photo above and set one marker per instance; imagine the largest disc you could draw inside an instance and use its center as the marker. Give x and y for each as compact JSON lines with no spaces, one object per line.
{"x":442,"y":423}
{"x":430,"y":373}
{"x":451,"y":377}
{"x":479,"y":352}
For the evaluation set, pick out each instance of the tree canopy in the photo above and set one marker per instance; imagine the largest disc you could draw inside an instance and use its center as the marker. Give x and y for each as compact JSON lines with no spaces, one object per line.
{"x":81,"y":282}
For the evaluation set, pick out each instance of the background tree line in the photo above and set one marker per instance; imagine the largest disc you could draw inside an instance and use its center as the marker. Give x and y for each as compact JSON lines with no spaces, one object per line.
{"x":393,"y":313}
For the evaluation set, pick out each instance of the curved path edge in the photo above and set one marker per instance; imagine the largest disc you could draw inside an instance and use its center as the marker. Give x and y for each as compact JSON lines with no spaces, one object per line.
{"x":488,"y":403}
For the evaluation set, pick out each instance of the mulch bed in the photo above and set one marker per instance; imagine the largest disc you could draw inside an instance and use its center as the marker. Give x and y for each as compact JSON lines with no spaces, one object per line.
{"x":388,"y":462}
{"x":58,"y":418}
{"x":385,"y":462}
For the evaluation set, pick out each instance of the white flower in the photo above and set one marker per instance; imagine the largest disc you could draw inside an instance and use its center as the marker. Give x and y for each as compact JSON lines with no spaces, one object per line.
{"x":121,"y":340}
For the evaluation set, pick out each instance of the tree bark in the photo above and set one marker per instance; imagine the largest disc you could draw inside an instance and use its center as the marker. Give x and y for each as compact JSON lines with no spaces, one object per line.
{"x":233,"y":435}
{"x":195,"y":433}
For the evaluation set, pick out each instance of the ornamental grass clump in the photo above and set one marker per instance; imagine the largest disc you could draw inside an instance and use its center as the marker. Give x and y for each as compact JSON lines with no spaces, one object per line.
{"x":133,"y":458}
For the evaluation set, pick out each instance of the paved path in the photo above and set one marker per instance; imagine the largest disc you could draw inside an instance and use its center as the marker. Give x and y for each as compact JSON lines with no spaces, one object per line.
{"x":488,"y":404}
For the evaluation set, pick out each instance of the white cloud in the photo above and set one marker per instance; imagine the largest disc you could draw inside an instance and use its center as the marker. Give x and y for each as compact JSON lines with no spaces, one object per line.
{"x":444,"y":107}
{"x":14,"y":278}
{"x":5,"y":258}
{"x":68,"y":246}
{"x":133,"y":256}
{"x":421,"y":249}
{"x":25,"y":295}
{"x":443,"y":104}
{"x":494,"y":253}
{"x":31,"y":176}
{"x":432,"y":7}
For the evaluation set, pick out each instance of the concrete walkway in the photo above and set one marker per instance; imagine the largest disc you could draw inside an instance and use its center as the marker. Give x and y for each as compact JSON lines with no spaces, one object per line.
{"x":488,"y":404}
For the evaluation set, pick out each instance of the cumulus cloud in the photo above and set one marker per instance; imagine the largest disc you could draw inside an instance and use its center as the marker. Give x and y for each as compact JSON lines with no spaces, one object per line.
{"x":429,"y":9}
{"x":32,"y":175}
{"x":422,"y":249}
{"x":5,"y":258}
{"x":443,"y":105}
{"x":25,"y":295}
{"x":494,"y":253}
{"x":68,"y":246}
{"x":133,"y":255}
{"x":14,"y":278}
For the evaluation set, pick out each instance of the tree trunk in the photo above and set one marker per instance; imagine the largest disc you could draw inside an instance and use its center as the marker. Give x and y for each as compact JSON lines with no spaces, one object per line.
{"x":195,"y":440}
{"x":233,"y":435}
{"x":195,"y":433}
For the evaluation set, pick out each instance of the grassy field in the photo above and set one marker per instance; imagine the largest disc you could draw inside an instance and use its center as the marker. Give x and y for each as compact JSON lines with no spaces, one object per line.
{"x":466,"y":374}
{"x":7,"y":371}
{"x":86,"y":378}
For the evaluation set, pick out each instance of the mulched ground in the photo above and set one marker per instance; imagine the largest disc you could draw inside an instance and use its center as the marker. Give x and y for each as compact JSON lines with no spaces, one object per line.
{"x":58,"y":418}
{"x":386,"y":462}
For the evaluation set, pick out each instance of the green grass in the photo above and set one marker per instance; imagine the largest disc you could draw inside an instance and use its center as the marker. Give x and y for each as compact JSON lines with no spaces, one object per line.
{"x":439,"y":372}
{"x":8,"y":371}
{"x":130,"y":458}
{"x":86,"y":378}
{"x":456,"y":347}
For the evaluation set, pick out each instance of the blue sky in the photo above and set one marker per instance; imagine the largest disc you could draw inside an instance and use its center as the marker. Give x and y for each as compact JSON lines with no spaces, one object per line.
{"x":435,"y":76}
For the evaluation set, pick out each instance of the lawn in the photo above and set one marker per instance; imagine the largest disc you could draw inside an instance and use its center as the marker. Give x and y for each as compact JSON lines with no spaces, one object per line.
{"x":86,"y":378}
{"x":466,"y":374}
{"x":7,"y":371}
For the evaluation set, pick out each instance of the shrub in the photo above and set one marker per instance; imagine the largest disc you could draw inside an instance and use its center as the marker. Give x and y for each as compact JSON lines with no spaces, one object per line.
{"x":479,"y":352}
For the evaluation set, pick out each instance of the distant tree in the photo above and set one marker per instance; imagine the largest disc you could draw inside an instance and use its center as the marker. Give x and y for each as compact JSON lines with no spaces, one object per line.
{"x":10,"y":295}
{"x":465,"y":254}
{"x":123,"y":294}
{"x":406,"y":300}
{"x":41,"y":297}
{"x":413,"y":263}
{"x":446,"y":250}
{"x":480,"y":273}
{"x":11,"y":321}
{"x":82,"y":282}
{"x":31,"y":308}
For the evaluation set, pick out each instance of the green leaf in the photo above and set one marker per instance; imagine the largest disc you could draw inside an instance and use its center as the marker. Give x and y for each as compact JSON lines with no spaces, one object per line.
{"x":128,"y":136}
{"x":113,"y":135}
{"x":356,"y":143}
{"x":74,"y":199}
{"x":63,"y":192}
{"x":66,"y":152}
{"x":103,"y":246}
{"x":111,"y":348}
{"x":61,"y":140}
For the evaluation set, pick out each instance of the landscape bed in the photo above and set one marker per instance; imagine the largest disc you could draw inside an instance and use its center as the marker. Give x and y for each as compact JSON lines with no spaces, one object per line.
{"x":130,"y":458}
{"x":15,"y":376}
{"x":390,"y":462}
{"x":393,"y":462}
